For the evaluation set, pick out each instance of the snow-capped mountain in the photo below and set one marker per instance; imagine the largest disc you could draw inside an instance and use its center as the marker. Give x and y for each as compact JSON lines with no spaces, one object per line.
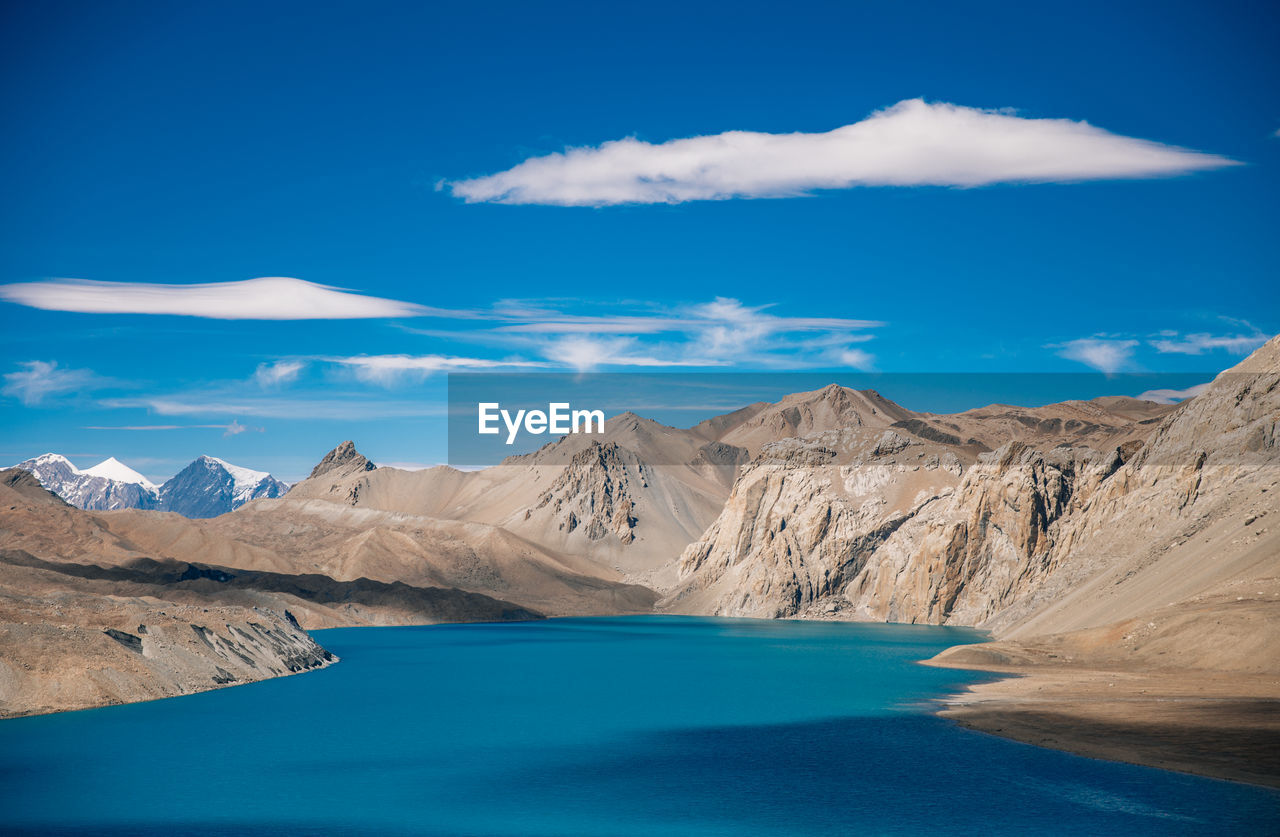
{"x":107,"y":485}
{"x":207,"y":487}
{"x":113,"y":469}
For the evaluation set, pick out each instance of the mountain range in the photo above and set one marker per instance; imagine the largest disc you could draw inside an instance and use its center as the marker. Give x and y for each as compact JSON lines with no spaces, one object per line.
{"x":207,"y":487}
{"x":1113,"y":544}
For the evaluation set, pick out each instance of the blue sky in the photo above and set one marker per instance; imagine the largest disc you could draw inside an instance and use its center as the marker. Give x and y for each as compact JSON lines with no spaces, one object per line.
{"x":382,"y":148}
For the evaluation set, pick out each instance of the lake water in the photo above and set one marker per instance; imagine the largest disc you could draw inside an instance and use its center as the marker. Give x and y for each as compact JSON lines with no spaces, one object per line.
{"x":611,"y":726}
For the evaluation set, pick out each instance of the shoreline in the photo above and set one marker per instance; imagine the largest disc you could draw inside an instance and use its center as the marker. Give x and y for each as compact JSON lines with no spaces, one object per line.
{"x":1200,"y":723}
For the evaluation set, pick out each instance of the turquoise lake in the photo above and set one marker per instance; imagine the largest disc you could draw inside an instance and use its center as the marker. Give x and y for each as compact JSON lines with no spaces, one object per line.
{"x":608,"y":726}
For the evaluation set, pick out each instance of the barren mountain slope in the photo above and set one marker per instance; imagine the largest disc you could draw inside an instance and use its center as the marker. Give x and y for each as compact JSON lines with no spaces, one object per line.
{"x":348,"y":543}
{"x":628,"y":501}
{"x":290,"y":536}
{"x":68,"y":643}
{"x":801,"y":414}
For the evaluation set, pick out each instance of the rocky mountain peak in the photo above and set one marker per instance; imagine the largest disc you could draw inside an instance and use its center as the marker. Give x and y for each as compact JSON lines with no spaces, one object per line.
{"x":210,"y":486}
{"x":594,"y":492}
{"x":344,"y":460}
{"x":91,"y":489}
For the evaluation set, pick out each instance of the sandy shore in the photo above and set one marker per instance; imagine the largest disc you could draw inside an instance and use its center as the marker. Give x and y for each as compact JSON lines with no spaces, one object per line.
{"x":1068,"y":696}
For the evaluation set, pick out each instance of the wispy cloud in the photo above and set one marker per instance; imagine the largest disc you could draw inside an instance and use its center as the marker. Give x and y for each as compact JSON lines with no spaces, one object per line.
{"x":583,"y":352}
{"x":385,"y":370}
{"x":722,"y":332}
{"x":1101,"y":353}
{"x":39,"y":380}
{"x":235,"y":428}
{"x":1173,"y":396}
{"x":269,"y":298}
{"x":356,"y":406}
{"x":276,"y":374}
{"x":858,"y":359}
{"x":688,"y":318}
{"x":913,"y":143}
{"x":232,"y":429}
{"x":1198,"y":344}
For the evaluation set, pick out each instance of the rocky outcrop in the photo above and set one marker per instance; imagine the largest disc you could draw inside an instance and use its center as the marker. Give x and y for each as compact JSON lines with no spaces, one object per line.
{"x":342,"y":461}
{"x":593,"y":493}
{"x":799,"y":529}
{"x":339,"y":475}
{"x":968,"y":554}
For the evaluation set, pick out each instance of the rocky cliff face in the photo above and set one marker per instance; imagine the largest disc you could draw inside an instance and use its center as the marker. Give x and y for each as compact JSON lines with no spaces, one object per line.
{"x":968,"y":554}
{"x":913,"y":526}
{"x":799,"y":527}
{"x":593,"y":493}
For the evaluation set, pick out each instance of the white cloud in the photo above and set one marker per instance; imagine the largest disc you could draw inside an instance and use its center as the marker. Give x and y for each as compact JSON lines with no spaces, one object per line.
{"x":1198,"y":344}
{"x":1172,"y":396}
{"x":692,"y":318}
{"x":913,"y":143}
{"x":385,"y":370}
{"x":38,"y":380}
{"x":276,"y":374}
{"x":232,"y":429}
{"x":235,"y":428}
{"x":268,"y":298}
{"x":1104,"y":354}
{"x":146,"y":427}
{"x":356,"y":407}
{"x":583,"y":352}
{"x":858,"y":359}
{"x":567,"y":324}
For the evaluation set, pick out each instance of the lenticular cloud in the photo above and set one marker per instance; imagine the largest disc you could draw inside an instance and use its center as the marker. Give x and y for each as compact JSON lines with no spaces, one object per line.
{"x":267,"y":298}
{"x":913,"y":143}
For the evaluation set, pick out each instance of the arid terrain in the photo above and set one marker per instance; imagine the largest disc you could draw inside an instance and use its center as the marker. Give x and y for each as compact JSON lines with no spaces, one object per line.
{"x":1123,"y":554}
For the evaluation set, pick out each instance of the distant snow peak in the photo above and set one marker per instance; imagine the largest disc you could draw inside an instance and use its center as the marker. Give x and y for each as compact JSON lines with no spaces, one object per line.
{"x":113,"y":469}
{"x":207,"y":487}
{"x":54,"y":457}
{"x":210,"y":486}
{"x":108,"y":485}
